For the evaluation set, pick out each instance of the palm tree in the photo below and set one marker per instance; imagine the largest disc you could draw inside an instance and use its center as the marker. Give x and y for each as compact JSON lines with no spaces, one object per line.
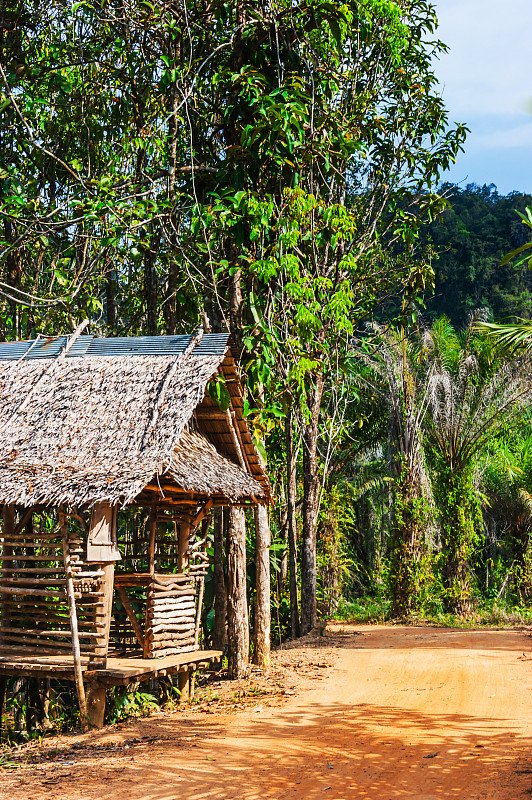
{"x":390,"y":374}
{"x":513,"y":337}
{"x":474,"y":396}
{"x":507,"y":485}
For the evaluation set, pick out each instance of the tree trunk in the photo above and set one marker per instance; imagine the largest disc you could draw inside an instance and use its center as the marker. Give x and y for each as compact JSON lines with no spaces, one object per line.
{"x":291,"y":489}
{"x":459,"y":512}
{"x":170,"y":306}
{"x":110,"y":303}
{"x":219,"y":636}
{"x":283,"y":560}
{"x":236,"y":303}
{"x":311,"y":493}
{"x":261,"y":653}
{"x":150,"y":283}
{"x":237,"y":606}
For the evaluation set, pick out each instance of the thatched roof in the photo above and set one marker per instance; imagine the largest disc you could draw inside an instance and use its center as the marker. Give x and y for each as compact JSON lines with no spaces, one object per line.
{"x":98,"y":428}
{"x":212,"y":472}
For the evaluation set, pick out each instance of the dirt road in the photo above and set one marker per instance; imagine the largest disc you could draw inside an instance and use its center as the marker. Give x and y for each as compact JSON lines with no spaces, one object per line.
{"x":415,"y":713}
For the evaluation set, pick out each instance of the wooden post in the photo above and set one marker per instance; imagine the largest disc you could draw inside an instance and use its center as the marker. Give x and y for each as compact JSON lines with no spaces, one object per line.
{"x":219,"y":636}
{"x":73,"y":621}
{"x":102,"y":549}
{"x":151,"y":541}
{"x":107,"y":584}
{"x":197,"y":625}
{"x":184,"y":540}
{"x":102,"y":543}
{"x":3,"y":686}
{"x":95,"y":704}
{"x":237,"y":606}
{"x":261,"y":652}
{"x":45,"y":694}
{"x":183,"y":684}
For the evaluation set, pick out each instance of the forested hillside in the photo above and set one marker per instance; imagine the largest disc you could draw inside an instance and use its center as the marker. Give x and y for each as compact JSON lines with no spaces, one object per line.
{"x":470,"y":240}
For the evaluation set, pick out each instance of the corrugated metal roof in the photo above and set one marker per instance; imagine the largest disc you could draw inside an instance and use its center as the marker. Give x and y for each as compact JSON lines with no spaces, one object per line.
{"x":43,"y":348}
{"x":212,"y":344}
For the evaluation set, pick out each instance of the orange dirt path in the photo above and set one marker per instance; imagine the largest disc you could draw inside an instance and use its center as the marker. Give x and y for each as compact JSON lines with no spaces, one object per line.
{"x":417,"y":713}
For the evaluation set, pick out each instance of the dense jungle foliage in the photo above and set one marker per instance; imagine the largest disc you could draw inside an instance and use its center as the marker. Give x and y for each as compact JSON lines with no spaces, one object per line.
{"x":470,"y":240}
{"x":274,"y":169}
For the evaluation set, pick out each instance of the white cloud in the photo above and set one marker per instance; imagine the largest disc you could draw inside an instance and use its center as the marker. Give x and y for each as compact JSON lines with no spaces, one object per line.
{"x":486,"y":84}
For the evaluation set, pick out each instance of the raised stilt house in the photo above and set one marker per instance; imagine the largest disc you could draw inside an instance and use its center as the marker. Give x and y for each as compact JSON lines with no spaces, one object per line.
{"x":112,"y":455}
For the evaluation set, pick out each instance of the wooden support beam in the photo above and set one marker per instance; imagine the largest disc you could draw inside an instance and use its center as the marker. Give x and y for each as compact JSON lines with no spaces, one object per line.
{"x":151,"y":541}
{"x":3,"y":686}
{"x":202,"y":514}
{"x":22,"y":524}
{"x":209,"y":413}
{"x":198,"y":611}
{"x":107,"y":584}
{"x":96,"y":704}
{"x":235,"y":439}
{"x":183,"y":684}
{"x":181,"y":496}
{"x":159,"y":501}
{"x":73,"y":622}
{"x":239,"y":437}
{"x":184,"y":537}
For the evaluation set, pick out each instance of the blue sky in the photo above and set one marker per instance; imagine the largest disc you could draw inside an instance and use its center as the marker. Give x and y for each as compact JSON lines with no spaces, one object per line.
{"x":486,"y":82}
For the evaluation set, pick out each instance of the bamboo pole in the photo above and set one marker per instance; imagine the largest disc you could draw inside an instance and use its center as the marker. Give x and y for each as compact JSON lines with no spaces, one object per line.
{"x":73,"y":623}
{"x":198,"y":612}
{"x":128,"y":608}
{"x":151,"y":541}
{"x":184,"y":538}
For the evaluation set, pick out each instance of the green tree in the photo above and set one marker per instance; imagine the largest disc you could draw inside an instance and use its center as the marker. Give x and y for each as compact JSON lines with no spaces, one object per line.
{"x":259,"y":160}
{"x":507,"y":485}
{"x":324,"y":197}
{"x":393,"y":373}
{"x":474,"y":396}
{"x":470,"y":239}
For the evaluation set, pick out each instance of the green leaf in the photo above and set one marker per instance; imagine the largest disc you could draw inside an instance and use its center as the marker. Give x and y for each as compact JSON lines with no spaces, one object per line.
{"x":516,"y":252}
{"x":218,"y":392}
{"x":336,"y":31}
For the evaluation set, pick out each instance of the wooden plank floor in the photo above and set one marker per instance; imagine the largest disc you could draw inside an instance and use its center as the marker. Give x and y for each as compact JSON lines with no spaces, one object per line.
{"x":119,"y":670}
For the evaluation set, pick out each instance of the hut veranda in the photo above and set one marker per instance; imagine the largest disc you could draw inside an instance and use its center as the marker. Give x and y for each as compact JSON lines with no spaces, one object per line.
{"x":95,"y":435}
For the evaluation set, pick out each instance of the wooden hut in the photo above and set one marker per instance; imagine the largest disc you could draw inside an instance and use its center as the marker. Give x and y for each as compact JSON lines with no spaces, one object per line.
{"x":92,"y":430}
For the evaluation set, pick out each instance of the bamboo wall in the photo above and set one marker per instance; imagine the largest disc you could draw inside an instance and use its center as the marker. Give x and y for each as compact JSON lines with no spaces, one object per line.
{"x":33,"y":590}
{"x":158,"y":587}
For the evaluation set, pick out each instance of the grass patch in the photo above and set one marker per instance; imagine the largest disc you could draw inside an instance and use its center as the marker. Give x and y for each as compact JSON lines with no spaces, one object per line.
{"x":485,"y":613}
{"x":363,"y":610}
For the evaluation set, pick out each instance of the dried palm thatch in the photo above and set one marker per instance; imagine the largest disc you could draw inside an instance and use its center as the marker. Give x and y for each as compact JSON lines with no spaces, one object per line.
{"x":98,"y":429}
{"x":212,"y":472}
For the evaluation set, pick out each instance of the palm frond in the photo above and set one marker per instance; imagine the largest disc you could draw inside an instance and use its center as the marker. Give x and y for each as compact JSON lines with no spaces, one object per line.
{"x":513,"y":336}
